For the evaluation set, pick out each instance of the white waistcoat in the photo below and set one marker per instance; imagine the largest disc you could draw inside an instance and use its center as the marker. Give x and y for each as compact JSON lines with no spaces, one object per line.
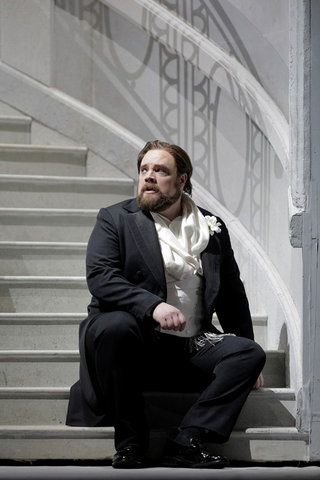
{"x":187,"y":296}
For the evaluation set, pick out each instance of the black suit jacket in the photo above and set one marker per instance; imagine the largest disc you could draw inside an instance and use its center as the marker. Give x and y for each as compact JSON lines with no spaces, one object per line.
{"x":125,"y":272}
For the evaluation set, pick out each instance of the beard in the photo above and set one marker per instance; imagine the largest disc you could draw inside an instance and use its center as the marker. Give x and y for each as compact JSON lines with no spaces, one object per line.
{"x":158,"y":202}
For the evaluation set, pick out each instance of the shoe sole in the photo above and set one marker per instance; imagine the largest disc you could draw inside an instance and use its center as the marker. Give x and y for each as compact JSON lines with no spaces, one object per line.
{"x":177,"y":463}
{"x":127,"y":464}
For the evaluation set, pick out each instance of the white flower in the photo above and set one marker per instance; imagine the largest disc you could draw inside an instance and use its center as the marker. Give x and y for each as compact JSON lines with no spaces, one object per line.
{"x":213,"y":224}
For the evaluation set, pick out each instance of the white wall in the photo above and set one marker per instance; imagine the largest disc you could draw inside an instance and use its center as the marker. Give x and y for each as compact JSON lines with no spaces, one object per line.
{"x":100,"y":71}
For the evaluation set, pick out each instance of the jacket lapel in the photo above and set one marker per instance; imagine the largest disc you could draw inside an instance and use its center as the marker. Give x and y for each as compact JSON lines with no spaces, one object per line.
{"x":211,"y":270}
{"x":145,"y":236}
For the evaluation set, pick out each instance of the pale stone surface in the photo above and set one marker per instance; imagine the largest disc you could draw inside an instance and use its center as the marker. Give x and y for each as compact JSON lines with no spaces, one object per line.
{"x":64,"y":192}
{"x":42,"y":160}
{"x":72,"y":443}
{"x":158,"y":473}
{"x":40,"y":224}
{"x":15,"y":129}
{"x":38,"y":406}
{"x":55,"y":294}
{"x":26,"y":37}
{"x":42,"y":259}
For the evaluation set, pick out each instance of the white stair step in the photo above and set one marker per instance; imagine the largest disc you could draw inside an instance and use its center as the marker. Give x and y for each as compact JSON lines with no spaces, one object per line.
{"x":43,"y":294}
{"x":40,"y":331}
{"x":62,"y":442}
{"x":38,"y":258}
{"x":59,"y":368}
{"x":48,"y":406}
{"x":15,"y":129}
{"x":46,"y":224}
{"x":274,"y":407}
{"x":260,"y":327}
{"x":37,"y":191}
{"x":48,"y":331}
{"x":42,"y":160}
{"x":54,"y":368}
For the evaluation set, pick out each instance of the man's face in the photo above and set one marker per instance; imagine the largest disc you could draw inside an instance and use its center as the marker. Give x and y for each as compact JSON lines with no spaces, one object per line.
{"x":159,"y":185}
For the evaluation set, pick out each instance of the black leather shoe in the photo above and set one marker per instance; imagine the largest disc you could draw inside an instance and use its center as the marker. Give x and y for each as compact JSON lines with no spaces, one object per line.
{"x":194,"y":456}
{"x":128,"y":457}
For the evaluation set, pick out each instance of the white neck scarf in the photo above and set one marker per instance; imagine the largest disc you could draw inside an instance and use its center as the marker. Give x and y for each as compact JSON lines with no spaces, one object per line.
{"x":181,"y":250}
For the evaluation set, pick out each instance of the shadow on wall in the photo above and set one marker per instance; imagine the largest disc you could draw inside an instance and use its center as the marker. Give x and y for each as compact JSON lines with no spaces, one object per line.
{"x":284,"y":345}
{"x":153,"y":92}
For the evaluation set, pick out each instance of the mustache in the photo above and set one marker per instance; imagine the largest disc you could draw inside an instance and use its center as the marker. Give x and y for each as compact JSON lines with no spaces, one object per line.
{"x":149,"y":185}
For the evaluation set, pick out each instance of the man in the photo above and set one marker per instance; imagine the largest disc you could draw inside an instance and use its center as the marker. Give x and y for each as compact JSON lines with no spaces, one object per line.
{"x":158,"y":267}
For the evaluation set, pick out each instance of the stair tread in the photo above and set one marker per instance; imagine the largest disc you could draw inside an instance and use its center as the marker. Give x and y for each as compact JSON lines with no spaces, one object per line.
{"x":105,"y":432}
{"x":61,"y":392}
{"x":15,"y":118}
{"x":34,"y":244}
{"x":16,"y":317}
{"x":47,"y":211}
{"x":72,"y":352}
{"x":59,"y":317}
{"x":39,"y":148}
{"x":56,"y":179}
{"x":8,"y":279}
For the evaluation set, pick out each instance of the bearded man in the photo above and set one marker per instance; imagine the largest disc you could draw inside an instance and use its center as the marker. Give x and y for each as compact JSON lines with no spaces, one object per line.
{"x":158,"y":267}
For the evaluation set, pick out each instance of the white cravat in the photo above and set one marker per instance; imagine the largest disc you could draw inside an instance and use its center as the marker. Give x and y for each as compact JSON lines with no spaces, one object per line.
{"x":183,"y":240}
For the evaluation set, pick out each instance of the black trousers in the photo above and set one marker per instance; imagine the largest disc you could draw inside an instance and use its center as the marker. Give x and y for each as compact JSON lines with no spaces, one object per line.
{"x":127,"y":357}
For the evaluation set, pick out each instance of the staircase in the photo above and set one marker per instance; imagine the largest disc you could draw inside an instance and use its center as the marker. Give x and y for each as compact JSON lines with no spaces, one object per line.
{"x":47,"y":210}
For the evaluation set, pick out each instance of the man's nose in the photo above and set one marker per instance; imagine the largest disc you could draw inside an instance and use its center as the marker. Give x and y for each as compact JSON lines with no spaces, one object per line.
{"x":150,"y":177}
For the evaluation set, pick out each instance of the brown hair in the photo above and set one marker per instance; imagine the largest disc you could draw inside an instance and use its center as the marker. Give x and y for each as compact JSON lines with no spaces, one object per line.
{"x":181,"y":157}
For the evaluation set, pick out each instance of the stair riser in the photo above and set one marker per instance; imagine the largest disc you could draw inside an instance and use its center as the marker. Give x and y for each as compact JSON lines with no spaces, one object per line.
{"x":57,"y":373}
{"x":258,"y":411}
{"x":34,"y":195}
{"x":39,"y":337}
{"x":33,"y":335}
{"x":244,"y":449}
{"x":36,"y":161}
{"x":42,"y":261}
{"x":38,"y":374}
{"x":15,"y":133}
{"x":44,"y":298}
{"x":53,"y":412}
{"x":46,"y":228}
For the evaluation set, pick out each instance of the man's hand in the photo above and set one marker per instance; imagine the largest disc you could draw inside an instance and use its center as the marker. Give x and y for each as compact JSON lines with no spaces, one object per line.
{"x":169,"y":317}
{"x":259,"y":383}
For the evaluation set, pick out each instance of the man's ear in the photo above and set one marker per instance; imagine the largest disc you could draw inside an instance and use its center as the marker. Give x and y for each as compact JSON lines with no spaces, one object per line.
{"x":183,"y":179}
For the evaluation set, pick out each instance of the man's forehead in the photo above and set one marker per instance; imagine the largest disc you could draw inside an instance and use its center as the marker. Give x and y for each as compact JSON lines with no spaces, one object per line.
{"x":158,"y":157}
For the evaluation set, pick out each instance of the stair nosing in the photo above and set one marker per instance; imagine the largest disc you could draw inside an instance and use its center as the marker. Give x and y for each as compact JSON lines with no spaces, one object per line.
{"x":25,"y":279}
{"x":47,"y":245}
{"x":284,"y":393}
{"x":64,"y":180}
{"x":48,"y":211}
{"x":39,"y":355}
{"x":15,"y":119}
{"x":65,"y":431}
{"x":44,"y":148}
{"x":20,"y":355}
{"x":41,"y":316}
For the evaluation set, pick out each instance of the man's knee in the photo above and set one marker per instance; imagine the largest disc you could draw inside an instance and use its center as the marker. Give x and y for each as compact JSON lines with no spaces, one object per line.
{"x":251,"y":350}
{"x":256,"y":352}
{"x":116,"y":326}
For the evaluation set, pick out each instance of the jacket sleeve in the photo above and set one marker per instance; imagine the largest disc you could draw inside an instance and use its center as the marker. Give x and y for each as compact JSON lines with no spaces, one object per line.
{"x":232,"y":306}
{"x":109,"y":285}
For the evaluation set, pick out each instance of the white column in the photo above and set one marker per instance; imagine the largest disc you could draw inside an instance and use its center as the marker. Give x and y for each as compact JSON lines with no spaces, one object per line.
{"x":310,"y":399}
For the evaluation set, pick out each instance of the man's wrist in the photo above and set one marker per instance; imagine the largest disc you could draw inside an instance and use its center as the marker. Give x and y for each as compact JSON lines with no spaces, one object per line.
{"x":149,"y":313}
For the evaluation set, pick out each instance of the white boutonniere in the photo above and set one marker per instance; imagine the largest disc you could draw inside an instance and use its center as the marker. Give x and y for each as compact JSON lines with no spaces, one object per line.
{"x":213,"y":224}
